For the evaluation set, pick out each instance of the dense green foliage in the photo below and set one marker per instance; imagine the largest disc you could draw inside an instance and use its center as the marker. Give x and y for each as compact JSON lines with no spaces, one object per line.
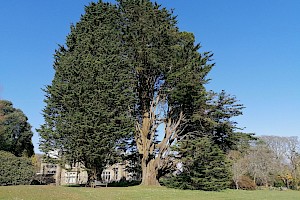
{"x":169,"y":75}
{"x":215,"y":120}
{"x":203,"y":166}
{"x":15,"y":170}
{"x":212,"y":135}
{"x":87,"y":103}
{"x":15,"y":131}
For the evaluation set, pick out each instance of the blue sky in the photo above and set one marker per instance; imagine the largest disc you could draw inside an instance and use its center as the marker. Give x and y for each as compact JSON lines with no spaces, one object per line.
{"x":256,"y":45}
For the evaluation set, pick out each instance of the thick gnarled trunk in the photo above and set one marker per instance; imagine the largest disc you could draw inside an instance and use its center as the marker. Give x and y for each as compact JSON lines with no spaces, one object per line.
{"x":149,"y":176}
{"x":155,"y":157}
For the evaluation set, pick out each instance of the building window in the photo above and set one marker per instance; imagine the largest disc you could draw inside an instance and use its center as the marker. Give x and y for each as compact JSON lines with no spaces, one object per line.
{"x":70,"y":177}
{"x":116,"y":173}
{"x":105,"y":176}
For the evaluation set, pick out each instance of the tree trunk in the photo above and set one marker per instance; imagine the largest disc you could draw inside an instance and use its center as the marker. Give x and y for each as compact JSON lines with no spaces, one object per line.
{"x":236,"y":184}
{"x":150,"y":172}
{"x":92,"y":176}
{"x":145,"y":137}
{"x":266,"y":182}
{"x":58,"y":175}
{"x":154,"y":156}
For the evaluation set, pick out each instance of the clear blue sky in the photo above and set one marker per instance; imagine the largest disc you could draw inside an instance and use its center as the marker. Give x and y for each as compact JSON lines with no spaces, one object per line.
{"x":256,"y":46}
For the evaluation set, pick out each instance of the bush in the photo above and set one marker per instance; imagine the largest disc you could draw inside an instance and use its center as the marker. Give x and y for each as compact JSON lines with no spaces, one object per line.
{"x":279,"y":183}
{"x":246,"y":183}
{"x":15,"y":170}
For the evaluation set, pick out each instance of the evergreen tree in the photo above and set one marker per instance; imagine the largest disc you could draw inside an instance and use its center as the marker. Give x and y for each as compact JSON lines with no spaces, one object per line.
{"x":15,"y":131}
{"x":211,"y":126}
{"x":87,"y":104}
{"x":169,"y":74}
{"x":215,"y":120}
{"x":224,"y":131}
{"x":204,"y":167}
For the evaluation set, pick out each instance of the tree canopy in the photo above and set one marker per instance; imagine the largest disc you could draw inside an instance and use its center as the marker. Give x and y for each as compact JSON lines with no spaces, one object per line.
{"x":87,"y":103}
{"x":15,"y":131}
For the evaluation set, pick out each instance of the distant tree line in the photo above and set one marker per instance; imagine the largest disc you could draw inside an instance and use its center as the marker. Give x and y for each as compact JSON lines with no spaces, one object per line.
{"x":269,"y":161}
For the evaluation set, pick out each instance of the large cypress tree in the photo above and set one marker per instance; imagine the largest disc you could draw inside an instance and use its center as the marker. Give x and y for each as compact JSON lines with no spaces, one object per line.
{"x":87,"y":103}
{"x":169,"y":74}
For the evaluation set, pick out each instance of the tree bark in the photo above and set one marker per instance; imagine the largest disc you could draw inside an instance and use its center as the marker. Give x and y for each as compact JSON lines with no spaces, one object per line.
{"x":154,"y":156}
{"x":58,"y":175}
{"x":92,"y":175}
{"x":150,"y":172}
{"x":144,"y":137}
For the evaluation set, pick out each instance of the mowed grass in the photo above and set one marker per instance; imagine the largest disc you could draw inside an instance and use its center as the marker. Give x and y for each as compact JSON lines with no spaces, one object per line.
{"x":136,"y":192}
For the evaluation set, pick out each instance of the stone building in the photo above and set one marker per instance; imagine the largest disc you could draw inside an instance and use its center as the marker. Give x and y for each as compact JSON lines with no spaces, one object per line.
{"x":76,"y":174}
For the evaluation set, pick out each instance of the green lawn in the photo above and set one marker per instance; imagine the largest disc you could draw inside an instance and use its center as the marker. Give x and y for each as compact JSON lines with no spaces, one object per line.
{"x":136,"y":192}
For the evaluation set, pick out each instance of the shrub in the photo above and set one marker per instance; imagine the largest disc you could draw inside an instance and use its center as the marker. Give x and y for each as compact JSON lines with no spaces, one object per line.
{"x":15,"y":170}
{"x":246,"y":183}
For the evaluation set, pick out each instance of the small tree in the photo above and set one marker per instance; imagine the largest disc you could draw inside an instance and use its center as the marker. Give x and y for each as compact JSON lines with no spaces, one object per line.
{"x":238,"y":167}
{"x":15,"y":170}
{"x":204,"y":166}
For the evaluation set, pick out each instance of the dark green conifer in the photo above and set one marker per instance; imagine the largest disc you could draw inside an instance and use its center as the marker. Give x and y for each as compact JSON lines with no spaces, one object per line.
{"x":204,"y":167}
{"x":88,"y":102}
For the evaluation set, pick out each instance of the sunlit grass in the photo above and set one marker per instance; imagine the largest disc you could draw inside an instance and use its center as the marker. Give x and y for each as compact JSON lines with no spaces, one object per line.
{"x":134,"y":193}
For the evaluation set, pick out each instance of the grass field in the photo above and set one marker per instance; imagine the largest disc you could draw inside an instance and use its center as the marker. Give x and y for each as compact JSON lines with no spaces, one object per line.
{"x":136,"y":192}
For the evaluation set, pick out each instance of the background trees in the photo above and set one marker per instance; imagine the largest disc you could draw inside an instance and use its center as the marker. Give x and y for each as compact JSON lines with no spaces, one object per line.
{"x":286,"y":150}
{"x":15,"y":131}
{"x":239,"y":167}
{"x":270,"y":161}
